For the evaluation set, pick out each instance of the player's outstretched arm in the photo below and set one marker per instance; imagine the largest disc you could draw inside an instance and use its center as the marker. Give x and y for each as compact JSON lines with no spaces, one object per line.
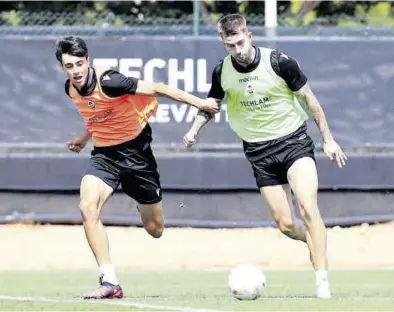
{"x":215,"y":95}
{"x":201,"y":119}
{"x":331,"y":148}
{"x":161,"y":89}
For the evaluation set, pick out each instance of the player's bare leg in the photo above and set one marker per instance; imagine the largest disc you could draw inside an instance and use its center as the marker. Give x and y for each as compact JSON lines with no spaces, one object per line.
{"x":303,"y":180}
{"x":152,"y":218}
{"x":279,"y":201}
{"x":94,"y":194}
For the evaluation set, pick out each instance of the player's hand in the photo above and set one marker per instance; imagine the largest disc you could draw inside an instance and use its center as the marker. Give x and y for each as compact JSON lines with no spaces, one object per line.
{"x":210,"y":106}
{"x":335,"y":153}
{"x":76,"y":145}
{"x":190,"y":138}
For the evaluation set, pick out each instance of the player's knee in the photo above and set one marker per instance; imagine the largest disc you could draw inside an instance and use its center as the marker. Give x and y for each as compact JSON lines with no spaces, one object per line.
{"x":89,"y":211}
{"x":309,"y":211}
{"x":307,"y":200}
{"x":155,"y":228}
{"x":285,"y":224}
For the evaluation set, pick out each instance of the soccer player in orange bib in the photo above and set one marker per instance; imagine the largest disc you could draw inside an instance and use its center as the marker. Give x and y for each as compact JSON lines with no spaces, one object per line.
{"x":116,"y":110}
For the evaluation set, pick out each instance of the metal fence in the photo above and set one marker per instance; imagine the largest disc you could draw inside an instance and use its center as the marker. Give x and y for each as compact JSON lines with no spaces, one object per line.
{"x":92,"y":23}
{"x":75,"y":18}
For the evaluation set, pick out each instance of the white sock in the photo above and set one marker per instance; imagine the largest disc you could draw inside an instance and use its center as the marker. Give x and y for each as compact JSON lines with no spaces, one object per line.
{"x":108,"y":272}
{"x":321,"y":276}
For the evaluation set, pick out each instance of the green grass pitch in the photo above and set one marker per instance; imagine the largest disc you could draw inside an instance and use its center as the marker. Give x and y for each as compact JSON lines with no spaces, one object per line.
{"x":196,"y":291}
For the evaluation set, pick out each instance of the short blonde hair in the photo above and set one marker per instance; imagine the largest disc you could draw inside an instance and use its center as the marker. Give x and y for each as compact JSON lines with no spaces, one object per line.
{"x":231,"y":24}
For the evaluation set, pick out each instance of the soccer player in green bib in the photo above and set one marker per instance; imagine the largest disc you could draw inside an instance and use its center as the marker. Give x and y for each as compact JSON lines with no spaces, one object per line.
{"x":263,"y":88}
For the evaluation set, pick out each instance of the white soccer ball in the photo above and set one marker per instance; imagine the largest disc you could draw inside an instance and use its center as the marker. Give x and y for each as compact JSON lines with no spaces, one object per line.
{"x":246,"y":282}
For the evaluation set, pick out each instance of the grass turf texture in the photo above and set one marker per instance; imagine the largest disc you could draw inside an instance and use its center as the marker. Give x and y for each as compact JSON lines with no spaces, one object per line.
{"x":179,"y":290}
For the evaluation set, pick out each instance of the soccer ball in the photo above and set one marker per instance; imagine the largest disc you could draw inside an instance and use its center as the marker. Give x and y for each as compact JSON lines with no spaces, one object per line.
{"x":246,"y":282}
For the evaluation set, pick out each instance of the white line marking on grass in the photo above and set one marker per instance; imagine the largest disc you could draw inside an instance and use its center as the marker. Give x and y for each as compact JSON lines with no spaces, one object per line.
{"x":334,"y":298}
{"x":367,"y":298}
{"x":113,"y":302}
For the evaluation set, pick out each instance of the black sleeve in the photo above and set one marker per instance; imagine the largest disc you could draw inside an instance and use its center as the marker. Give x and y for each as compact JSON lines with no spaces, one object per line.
{"x":216,"y":90}
{"x":67,"y":87}
{"x":288,"y":69}
{"x":115,"y":84}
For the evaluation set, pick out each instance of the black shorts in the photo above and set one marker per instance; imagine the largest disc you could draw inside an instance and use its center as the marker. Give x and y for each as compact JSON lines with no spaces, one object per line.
{"x":270,"y":160}
{"x":131,"y":164}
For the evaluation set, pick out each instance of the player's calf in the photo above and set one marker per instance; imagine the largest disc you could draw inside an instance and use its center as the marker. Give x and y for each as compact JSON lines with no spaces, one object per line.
{"x":312,"y":218}
{"x":315,"y":226}
{"x":310,"y":213}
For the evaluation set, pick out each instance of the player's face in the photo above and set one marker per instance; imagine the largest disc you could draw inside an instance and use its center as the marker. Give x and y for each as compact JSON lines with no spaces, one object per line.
{"x":76,"y":69}
{"x":240,"y":47}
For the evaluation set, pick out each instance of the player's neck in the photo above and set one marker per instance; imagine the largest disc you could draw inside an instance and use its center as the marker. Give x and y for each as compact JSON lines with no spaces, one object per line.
{"x":252,"y":55}
{"x":80,"y":87}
